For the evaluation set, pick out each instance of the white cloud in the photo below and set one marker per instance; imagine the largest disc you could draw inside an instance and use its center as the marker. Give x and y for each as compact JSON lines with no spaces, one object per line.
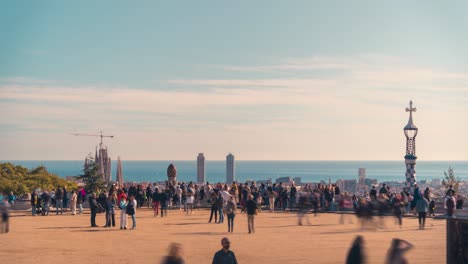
{"x":353,"y":112}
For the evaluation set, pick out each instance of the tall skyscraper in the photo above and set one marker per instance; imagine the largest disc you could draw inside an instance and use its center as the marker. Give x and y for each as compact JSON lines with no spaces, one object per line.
{"x":119,"y":176}
{"x":201,"y":168}
{"x":362,"y":175}
{"x":230,"y":169}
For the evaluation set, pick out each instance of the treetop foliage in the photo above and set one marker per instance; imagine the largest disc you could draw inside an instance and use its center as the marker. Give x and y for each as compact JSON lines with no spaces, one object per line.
{"x":20,"y":180}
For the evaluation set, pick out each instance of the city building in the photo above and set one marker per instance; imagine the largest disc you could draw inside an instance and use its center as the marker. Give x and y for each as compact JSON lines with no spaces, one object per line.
{"x":230,"y":169}
{"x":102,"y":158}
{"x":119,"y":176}
{"x":201,"y":175}
{"x":362,"y":175}
{"x":286,"y":180}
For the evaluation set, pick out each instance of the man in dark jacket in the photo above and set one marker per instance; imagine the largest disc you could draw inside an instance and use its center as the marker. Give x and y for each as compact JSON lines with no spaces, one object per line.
{"x":94,"y":207}
{"x":225,"y":256}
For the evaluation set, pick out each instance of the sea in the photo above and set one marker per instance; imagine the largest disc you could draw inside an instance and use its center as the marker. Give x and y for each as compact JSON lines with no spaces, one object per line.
{"x":308,"y":171}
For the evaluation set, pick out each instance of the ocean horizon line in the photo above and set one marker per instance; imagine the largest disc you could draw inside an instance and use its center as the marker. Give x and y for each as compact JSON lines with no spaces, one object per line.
{"x":175,"y":160}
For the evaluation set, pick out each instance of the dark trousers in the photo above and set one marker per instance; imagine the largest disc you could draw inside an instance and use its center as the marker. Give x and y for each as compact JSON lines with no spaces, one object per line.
{"x":230,"y":218}
{"x":214,"y":209}
{"x":163,"y":210}
{"x":93,"y":217}
{"x":110,"y":218}
{"x":5,"y":224}
{"x":422,"y":218}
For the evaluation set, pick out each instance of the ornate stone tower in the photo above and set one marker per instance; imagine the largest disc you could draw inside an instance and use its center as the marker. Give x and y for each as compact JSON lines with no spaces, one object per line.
{"x":171,"y":175}
{"x":410,"y":158}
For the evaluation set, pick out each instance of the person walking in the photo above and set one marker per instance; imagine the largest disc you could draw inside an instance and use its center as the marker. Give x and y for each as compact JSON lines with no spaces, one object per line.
{"x":164,"y":198}
{"x":251,"y":207}
{"x":231,"y":213}
{"x":422,"y":205}
{"x":225,"y":255}
{"x":5,"y":214}
{"x":356,"y":252}
{"x":175,"y":255}
{"x":398,"y":248}
{"x":156,"y":199}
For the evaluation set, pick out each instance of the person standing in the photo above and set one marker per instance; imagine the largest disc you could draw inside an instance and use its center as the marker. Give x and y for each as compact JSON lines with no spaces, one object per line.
{"x":422,"y":205}
{"x":131,"y":208}
{"x":251,"y":207}
{"x":93,"y":205}
{"x":214,"y":204}
{"x":59,"y":200}
{"x":123,"y":212}
{"x":164,"y":200}
{"x":65,"y":198}
{"x":34,"y":202}
{"x":45,"y":197}
{"x":231,"y":213}
{"x":156,"y":199}
{"x":111,"y":200}
{"x":73,"y":201}
{"x":81,"y":198}
{"x":225,"y":256}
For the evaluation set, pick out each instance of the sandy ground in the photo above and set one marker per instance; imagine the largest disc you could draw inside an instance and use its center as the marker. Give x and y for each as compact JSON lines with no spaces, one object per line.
{"x":278,"y":239}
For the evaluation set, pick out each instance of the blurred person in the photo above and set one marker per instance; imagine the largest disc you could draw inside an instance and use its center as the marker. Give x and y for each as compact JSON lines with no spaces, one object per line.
{"x":398,"y":248}
{"x":459,"y":204}
{"x":225,"y":256}
{"x":302,"y":210}
{"x":5,"y":215}
{"x":175,"y":255}
{"x":422,"y":205}
{"x":11,"y":199}
{"x":432,"y":208}
{"x":356,"y":252}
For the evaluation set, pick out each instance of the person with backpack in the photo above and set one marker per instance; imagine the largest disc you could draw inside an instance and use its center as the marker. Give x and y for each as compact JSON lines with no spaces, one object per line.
{"x":231,"y":213}
{"x":123,"y":212}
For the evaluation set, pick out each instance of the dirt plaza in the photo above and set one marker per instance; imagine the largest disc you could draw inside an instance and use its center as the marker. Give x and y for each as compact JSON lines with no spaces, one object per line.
{"x":278,"y":238}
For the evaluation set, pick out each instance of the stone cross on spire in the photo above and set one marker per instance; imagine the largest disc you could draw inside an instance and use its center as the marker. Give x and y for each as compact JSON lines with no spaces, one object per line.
{"x":411,"y":109}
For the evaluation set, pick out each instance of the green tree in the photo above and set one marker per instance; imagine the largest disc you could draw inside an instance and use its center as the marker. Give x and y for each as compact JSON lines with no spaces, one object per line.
{"x":92,"y":177}
{"x":451,"y":180}
{"x":20,"y":180}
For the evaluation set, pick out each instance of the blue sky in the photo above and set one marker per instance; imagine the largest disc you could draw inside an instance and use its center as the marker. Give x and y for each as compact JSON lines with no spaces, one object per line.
{"x":262,"y":79}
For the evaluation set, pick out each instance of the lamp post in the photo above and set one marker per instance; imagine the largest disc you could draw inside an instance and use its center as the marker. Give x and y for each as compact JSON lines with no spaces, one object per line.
{"x":411,"y":131}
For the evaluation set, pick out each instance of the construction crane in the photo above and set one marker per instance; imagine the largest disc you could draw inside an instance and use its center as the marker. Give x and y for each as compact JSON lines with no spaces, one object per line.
{"x":92,"y":135}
